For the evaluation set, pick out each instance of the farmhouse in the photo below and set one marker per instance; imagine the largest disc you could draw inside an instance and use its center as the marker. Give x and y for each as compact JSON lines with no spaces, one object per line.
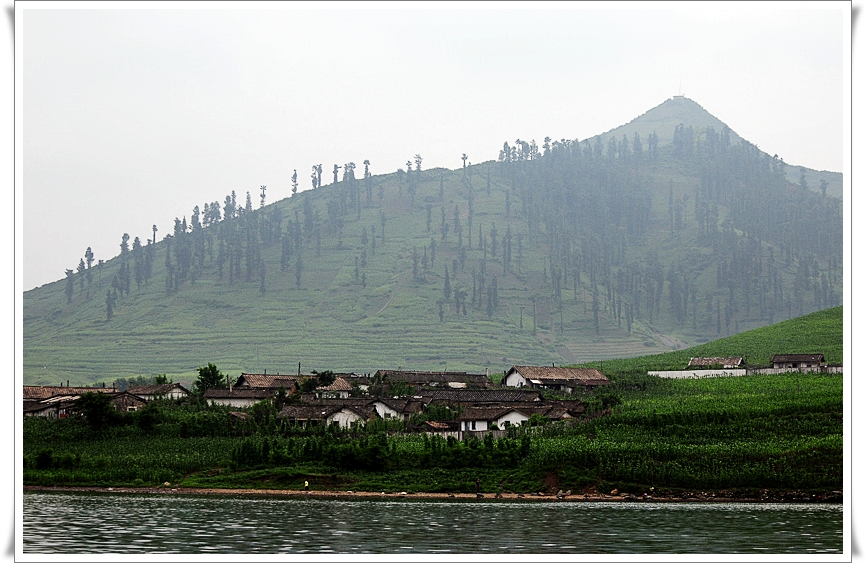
{"x":237,"y":397}
{"x":559,"y":379}
{"x":340,"y":389}
{"x":733,"y":362}
{"x":445,"y":379}
{"x":166,"y":391}
{"x":442,"y":428}
{"x":798,"y":360}
{"x":127,"y":402}
{"x":483,"y":418}
{"x":343,"y":416}
{"x":37,"y":393}
{"x":62,"y":405}
{"x":54,"y":407}
{"x":265,"y":381}
{"x":402,"y":408}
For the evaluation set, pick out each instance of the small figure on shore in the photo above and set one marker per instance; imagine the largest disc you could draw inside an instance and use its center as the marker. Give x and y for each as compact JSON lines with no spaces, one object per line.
{"x":306,"y":486}
{"x":477,"y":485}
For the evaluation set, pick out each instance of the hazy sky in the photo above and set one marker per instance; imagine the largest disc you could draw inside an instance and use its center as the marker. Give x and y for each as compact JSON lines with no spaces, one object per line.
{"x":131,"y":117}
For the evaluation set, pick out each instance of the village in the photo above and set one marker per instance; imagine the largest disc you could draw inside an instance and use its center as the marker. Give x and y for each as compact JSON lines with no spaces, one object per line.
{"x":525,"y":394}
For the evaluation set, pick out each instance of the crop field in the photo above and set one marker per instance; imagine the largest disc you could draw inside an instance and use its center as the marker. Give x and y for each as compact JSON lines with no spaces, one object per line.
{"x":815,"y":333}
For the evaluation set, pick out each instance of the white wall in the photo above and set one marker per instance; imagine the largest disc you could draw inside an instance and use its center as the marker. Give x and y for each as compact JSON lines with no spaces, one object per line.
{"x":514,"y":379}
{"x":234,"y":402}
{"x":385,"y":411}
{"x":344,"y":418}
{"x":479,"y":425}
{"x":514,"y":417}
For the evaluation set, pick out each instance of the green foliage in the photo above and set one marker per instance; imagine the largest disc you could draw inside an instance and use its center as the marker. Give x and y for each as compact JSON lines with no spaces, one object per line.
{"x":209,"y":377}
{"x":97,"y":410}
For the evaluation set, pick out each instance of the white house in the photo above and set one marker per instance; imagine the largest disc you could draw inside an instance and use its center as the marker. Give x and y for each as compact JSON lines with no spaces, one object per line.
{"x":344,"y":416}
{"x":339,"y":389}
{"x":401,"y":408}
{"x":237,"y":397}
{"x":781,"y":361}
{"x":165,"y":391}
{"x":483,"y":418}
{"x":558,"y":379}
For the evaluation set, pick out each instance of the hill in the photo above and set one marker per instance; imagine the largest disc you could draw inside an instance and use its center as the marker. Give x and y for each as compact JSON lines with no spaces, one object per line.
{"x":816,"y":333}
{"x":570,"y":252}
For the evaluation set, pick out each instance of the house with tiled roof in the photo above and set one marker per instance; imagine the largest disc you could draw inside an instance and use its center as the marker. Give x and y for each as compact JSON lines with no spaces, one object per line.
{"x":484,"y":418}
{"x":340,"y":389}
{"x":36,"y":393}
{"x":559,"y":379}
{"x":796,"y":361}
{"x":444,"y":379}
{"x":237,"y":396}
{"x":268,"y":381}
{"x":164,"y":391}
{"x":398,"y":407}
{"x":732,"y":362}
{"x":344,"y":416}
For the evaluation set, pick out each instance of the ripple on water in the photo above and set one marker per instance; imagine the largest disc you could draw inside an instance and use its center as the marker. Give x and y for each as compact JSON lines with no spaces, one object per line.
{"x":259,"y":525}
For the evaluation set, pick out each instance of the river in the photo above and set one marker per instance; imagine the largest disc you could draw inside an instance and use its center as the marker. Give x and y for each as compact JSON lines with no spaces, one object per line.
{"x":83,"y":523}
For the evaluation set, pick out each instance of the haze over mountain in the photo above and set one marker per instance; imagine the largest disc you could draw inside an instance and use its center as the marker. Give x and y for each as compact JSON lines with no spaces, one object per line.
{"x":662,"y":233}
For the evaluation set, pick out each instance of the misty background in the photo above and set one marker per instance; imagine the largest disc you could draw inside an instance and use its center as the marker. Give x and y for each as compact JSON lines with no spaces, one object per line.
{"x":131,"y":117}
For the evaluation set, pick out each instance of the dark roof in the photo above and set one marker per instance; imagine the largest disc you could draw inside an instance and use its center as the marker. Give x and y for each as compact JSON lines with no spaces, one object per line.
{"x":156,"y":389}
{"x":39,"y":392}
{"x":238,"y":393}
{"x":480,"y":396}
{"x":405,"y":405}
{"x":323,"y":411}
{"x":487,"y":413}
{"x":701,"y":362}
{"x":126,"y":396}
{"x":36,"y":407}
{"x":798,"y":358}
{"x":267,"y":381}
{"x":438,"y":377}
{"x":307,"y":412}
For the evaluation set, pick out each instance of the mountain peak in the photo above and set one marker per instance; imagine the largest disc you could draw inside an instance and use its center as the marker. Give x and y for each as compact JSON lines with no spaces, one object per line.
{"x":665,"y":117}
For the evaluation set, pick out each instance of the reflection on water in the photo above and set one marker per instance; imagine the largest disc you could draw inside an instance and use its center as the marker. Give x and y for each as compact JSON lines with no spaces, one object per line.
{"x":125,"y":523}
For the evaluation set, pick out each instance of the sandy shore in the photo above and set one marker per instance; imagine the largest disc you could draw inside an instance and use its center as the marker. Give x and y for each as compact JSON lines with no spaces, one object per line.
{"x":370,"y":495}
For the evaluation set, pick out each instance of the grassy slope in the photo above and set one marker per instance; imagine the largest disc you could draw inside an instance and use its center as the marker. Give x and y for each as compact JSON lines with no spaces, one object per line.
{"x":332,"y":322}
{"x":819,"y":332}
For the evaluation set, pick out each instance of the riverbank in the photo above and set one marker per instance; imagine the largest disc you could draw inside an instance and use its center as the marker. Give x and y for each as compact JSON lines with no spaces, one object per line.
{"x":703,"y":496}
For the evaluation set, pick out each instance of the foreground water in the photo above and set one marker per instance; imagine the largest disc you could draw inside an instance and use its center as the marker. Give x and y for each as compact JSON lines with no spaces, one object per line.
{"x":129,"y":524}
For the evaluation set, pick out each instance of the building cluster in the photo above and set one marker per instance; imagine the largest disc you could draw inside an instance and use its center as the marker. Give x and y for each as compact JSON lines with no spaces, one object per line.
{"x":355,"y":399}
{"x":736,"y":365}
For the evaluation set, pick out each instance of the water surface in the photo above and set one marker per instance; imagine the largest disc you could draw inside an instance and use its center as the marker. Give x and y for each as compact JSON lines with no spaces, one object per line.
{"x":132,"y":523}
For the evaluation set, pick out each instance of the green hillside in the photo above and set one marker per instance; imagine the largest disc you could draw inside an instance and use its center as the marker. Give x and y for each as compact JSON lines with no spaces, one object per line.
{"x":816,"y":333}
{"x":568,"y":252}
